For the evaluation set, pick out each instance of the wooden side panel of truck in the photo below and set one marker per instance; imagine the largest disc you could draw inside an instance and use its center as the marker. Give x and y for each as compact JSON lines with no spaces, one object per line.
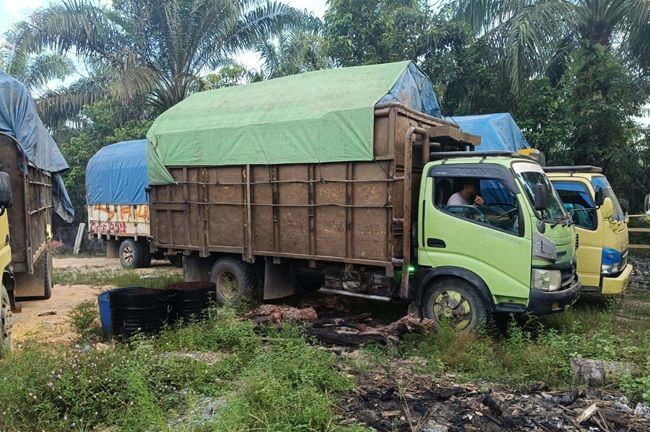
{"x":30,"y":221}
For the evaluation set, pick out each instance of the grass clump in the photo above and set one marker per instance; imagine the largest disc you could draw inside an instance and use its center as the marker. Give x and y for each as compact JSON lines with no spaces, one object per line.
{"x":269,"y":381}
{"x":84,"y":318}
{"x":117,"y":277}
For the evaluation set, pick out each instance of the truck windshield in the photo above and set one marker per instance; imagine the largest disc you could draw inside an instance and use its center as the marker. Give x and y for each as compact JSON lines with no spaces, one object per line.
{"x":530,"y":175}
{"x":602,"y":183}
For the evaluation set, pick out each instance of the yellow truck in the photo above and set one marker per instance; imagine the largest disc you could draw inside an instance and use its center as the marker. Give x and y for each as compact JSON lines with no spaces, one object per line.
{"x":31,"y":190}
{"x":601,"y":226}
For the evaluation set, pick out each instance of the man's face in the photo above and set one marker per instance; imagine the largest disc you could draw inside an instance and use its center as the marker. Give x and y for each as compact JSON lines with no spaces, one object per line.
{"x":470,"y":191}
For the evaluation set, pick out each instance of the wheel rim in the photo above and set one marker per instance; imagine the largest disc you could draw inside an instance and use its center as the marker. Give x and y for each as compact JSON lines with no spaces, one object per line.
{"x":5,"y":320}
{"x":227,"y":285}
{"x":127,"y":254}
{"x":453,"y":307}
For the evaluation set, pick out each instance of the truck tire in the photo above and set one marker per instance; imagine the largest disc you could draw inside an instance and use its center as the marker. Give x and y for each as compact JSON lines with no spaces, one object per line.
{"x":5,"y":321}
{"x":455,"y":301}
{"x":145,"y":254}
{"x":234,"y":281}
{"x":131,"y":254}
{"x":47,"y":276}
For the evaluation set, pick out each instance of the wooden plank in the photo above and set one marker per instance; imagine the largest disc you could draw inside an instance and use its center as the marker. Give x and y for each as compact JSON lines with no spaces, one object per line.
{"x":451,"y":134}
{"x":77,"y":240}
{"x":638,"y":246}
{"x":639,"y":230}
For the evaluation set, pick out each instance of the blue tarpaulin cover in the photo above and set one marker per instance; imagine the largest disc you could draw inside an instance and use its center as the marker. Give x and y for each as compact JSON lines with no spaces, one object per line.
{"x":117,"y":174}
{"x":498,"y":131}
{"x":19,"y":119}
{"x":414,"y":90}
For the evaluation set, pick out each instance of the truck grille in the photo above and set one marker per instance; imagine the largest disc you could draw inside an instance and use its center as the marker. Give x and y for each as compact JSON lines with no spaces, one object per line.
{"x":577,"y":241}
{"x":568,"y":276}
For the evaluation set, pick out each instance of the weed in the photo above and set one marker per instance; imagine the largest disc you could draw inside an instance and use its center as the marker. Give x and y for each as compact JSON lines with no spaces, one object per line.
{"x":117,"y":278}
{"x":83,"y":318}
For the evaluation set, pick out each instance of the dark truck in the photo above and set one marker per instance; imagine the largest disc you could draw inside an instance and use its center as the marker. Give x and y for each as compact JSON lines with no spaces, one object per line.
{"x":340,"y":179}
{"x":31,"y":188}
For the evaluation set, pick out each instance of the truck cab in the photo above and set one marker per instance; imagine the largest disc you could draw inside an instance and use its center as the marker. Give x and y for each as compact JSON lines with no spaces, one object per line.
{"x":601,"y":226}
{"x":516,"y":249}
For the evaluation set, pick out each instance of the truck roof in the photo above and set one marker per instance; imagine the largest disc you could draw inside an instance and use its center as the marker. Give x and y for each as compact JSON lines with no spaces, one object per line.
{"x":574,"y":169}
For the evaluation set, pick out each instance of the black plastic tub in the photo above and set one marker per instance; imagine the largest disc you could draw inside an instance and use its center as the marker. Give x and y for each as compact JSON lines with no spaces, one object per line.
{"x":138,"y":310}
{"x":190,"y":300}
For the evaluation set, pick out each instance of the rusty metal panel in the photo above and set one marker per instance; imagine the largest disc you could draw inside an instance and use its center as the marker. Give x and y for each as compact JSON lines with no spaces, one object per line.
{"x":330,"y":210}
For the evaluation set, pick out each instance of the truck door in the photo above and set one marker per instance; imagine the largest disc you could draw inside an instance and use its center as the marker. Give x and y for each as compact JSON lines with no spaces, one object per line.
{"x":578,"y":201}
{"x":491,"y":240}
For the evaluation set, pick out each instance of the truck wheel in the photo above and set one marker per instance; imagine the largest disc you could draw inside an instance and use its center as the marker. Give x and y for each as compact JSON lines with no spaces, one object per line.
{"x":455,"y":301}
{"x":234,"y":280}
{"x":5,"y":321}
{"x":145,"y":254}
{"x":47,"y":276}
{"x":130,"y":254}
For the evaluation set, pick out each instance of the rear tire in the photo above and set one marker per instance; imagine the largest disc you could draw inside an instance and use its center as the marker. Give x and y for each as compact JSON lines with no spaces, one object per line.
{"x":6,"y":321}
{"x":455,"y":301}
{"x":234,"y":281}
{"x":47,"y":276}
{"x":131,"y":254}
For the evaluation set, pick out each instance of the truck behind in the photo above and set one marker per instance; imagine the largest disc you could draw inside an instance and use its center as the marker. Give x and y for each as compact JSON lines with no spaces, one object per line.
{"x":30,"y":189}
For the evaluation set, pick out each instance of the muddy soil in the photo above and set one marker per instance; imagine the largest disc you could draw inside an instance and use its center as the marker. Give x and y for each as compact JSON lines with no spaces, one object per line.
{"x":48,"y":320}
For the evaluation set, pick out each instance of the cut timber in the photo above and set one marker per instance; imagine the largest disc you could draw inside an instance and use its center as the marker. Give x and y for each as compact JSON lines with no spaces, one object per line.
{"x":587,"y":413}
{"x":446,"y":134}
{"x":77,"y":241}
{"x":597,"y":373}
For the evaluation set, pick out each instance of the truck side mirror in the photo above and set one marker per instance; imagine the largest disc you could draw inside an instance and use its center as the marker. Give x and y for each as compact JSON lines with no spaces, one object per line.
{"x":541,"y":197}
{"x":5,"y":191}
{"x":607,"y":208}
{"x":600,"y":197}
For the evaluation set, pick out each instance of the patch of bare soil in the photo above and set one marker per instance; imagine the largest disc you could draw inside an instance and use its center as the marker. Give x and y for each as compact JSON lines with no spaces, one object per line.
{"x":397,"y":400}
{"x":47,"y":320}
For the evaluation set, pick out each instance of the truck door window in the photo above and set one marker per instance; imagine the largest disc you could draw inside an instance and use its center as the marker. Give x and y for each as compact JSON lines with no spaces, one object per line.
{"x":578,"y":203}
{"x":499,"y":210}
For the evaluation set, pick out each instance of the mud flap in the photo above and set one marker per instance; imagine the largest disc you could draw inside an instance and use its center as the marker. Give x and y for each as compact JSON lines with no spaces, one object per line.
{"x":37,"y":286}
{"x":278,"y":280}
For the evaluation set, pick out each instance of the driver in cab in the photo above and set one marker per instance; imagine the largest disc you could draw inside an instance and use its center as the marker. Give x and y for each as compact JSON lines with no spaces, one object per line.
{"x":468,"y":195}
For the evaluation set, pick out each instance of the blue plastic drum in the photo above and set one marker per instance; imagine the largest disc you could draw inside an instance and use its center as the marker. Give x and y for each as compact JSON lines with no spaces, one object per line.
{"x":104,"y":302}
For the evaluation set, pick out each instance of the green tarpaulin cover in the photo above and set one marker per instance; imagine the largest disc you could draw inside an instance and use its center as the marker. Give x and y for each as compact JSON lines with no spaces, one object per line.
{"x":322,"y":116}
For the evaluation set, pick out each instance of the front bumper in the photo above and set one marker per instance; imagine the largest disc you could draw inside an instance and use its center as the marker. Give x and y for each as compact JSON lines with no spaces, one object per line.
{"x":616,"y":285}
{"x":547,"y":302}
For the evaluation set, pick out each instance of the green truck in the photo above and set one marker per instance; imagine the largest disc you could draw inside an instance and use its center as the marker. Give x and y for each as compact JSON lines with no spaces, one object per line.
{"x":348,"y":180}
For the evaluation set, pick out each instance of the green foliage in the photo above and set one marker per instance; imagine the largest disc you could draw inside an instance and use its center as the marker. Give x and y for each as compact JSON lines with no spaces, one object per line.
{"x":117,"y":278}
{"x":104,"y":123}
{"x":602,"y":96}
{"x":535,"y":350}
{"x":83,"y":316}
{"x":376,"y":31}
{"x":271,"y":382}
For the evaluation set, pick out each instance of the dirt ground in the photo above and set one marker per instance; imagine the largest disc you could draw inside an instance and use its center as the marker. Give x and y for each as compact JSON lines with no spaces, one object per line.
{"x":47,"y":320}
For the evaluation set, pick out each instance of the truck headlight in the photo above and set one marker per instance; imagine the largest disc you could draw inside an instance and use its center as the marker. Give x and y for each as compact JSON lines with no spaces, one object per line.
{"x":611,"y":261}
{"x":546,"y":280}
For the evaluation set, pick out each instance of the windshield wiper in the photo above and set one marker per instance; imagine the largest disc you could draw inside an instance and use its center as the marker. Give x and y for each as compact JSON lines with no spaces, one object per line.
{"x":566,"y":218}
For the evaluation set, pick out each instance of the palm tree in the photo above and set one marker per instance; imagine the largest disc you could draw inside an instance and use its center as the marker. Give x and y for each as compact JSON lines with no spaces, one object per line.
{"x":158,"y":49}
{"x":34,"y":70}
{"x":295,"y":51}
{"x":537,"y":35}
